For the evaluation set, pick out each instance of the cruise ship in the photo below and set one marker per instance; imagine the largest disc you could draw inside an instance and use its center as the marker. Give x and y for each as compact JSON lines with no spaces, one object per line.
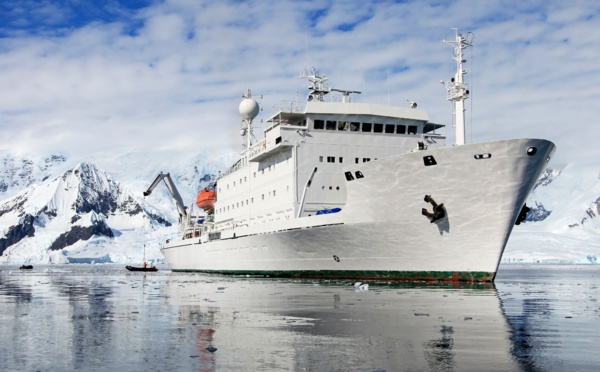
{"x":339,"y":189}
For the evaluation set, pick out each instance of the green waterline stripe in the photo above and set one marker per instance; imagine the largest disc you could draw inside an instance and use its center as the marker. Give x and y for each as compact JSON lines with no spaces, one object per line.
{"x":445,"y":276}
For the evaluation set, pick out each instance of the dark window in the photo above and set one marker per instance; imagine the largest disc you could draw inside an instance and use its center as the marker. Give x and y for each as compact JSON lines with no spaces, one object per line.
{"x":400,"y":129}
{"x":412,"y":129}
{"x":354,"y":126}
{"x":389,"y":128}
{"x":359,"y":174}
{"x":342,"y":125}
{"x":366,"y":160}
{"x":341,"y":159}
{"x":349,"y":176}
{"x":377,"y":128}
{"x":331,"y":159}
{"x":331,"y":125}
{"x":366,"y":127}
{"x":277,"y":140}
{"x":356,"y":160}
{"x":319,"y":124}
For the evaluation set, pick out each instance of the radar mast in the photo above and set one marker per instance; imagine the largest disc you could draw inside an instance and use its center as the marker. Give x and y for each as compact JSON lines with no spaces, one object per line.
{"x":457,"y":90}
{"x":249,"y":108}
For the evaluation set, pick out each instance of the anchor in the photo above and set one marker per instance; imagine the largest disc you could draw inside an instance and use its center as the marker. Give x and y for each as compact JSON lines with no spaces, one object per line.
{"x":523,"y":214}
{"x":438,"y":210}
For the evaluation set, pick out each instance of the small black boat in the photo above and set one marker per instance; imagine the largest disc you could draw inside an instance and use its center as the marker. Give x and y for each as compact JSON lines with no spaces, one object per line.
{"x":26,"y":267}
{"x":147,"y":268}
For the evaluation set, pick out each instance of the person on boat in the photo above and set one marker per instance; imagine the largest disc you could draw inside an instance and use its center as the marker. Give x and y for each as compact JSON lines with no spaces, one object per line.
{"x":145,"y":264}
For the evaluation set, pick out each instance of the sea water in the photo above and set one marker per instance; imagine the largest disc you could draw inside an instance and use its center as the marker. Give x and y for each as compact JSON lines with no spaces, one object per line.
{"x":102,"y":317}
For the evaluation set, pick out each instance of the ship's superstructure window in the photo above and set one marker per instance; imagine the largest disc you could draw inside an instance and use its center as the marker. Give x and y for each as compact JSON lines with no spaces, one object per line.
{"x":364,"y":127}
{"x":342,"y":125}
{"x":320,"y":159}
{"x":331,"y":159}
{"x":341,"y":159}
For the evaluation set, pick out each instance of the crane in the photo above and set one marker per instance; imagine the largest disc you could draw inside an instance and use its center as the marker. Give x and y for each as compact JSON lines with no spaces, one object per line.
{"x":183,"y":216}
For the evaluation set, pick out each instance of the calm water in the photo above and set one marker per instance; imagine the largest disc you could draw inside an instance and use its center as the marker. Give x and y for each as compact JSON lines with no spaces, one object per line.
{"x":102,"y":317}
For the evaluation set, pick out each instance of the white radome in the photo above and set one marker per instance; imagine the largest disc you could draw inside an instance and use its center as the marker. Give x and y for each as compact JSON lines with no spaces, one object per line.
{"x":249,"y":108}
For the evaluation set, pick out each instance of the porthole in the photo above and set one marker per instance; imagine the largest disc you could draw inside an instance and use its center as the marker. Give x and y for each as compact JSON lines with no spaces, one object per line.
{"x":487,"y":155}
{"x":531,"y":151}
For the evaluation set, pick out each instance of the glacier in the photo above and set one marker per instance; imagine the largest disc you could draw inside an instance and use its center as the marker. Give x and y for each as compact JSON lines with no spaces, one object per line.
{"x":563,"y":226}
{"x":57,"y":209}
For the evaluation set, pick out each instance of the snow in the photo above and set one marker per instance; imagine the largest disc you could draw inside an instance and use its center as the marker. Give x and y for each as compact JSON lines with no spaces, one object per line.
{"x":571,"y":233}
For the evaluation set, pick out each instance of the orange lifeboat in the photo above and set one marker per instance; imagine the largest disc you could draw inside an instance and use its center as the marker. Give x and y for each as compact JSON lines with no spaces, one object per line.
{"x":206,"y":200}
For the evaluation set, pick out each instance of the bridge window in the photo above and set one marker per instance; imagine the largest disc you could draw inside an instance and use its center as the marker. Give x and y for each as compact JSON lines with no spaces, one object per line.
{"x":400,"y":129}
{"x":342,"y":125}
{"x":366,"y":127}
{"x":377,"y":128}
{"x":319,"y":124}
{"x":331,"y":125}
{"x":412,"y":129}
{"x":354,"y":126}
{"x":389,"y":128}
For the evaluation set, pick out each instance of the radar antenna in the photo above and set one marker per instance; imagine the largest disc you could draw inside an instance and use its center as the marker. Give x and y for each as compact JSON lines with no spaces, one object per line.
{"x":318,"y":85}
{"x":457,"y":90}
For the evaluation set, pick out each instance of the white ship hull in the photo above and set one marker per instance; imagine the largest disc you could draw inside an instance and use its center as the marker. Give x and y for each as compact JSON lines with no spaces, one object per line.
{"x":381,"y":232}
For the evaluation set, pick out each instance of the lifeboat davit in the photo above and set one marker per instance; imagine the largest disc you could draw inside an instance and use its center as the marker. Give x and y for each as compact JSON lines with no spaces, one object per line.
{"x":206,"y":200}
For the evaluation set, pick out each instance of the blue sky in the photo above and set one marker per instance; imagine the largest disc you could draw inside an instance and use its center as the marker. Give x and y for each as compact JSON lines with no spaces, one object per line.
{"x":82,"y":77}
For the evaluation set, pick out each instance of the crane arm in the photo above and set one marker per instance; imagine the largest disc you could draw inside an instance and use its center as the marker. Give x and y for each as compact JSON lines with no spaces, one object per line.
{"x":172,"y":189}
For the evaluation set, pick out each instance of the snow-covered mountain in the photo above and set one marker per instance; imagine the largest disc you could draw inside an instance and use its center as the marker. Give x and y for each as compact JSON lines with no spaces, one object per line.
{"x":55,"y":209}
{"x":563,"y":225}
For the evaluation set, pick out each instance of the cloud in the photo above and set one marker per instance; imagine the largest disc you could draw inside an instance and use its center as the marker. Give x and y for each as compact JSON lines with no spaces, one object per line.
{"x":83,"y":78}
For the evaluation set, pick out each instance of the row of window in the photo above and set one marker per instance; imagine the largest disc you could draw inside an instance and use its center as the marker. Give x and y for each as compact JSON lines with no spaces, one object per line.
{"x":354,"y":126}
{"x":262,"y":171}
{"x":332,"y":159}
{"x":248,"y":202}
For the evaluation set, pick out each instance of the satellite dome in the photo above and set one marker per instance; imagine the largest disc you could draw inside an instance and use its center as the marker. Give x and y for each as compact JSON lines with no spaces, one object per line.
{"x":249,"y":108}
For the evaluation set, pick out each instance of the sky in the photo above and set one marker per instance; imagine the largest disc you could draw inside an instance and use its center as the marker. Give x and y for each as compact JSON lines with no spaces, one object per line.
{"x":83,"y":77}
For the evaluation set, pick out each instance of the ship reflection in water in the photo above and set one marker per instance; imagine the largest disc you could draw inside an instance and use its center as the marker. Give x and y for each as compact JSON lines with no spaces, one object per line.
{"x":101,"y":317}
